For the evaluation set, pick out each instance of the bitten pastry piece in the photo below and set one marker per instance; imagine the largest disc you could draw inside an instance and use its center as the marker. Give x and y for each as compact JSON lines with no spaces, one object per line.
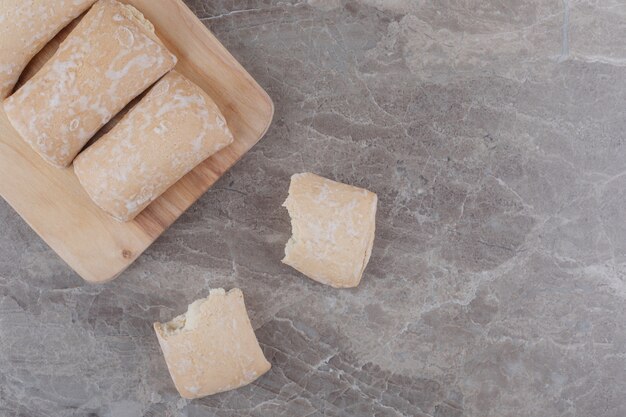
{"x":212,"y":348}
{"x":172,"y":129}
{"x":26,"y":26}
{"x":107,"y":60}
{"x":333,"y":228}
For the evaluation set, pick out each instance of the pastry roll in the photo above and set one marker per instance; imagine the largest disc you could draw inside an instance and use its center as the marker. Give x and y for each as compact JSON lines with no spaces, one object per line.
{"x":212,"y":348}
{"x":170,"y":131}
{"x":107,"y":60}
{"x":333,"y":228}
{"x":26,"y":26}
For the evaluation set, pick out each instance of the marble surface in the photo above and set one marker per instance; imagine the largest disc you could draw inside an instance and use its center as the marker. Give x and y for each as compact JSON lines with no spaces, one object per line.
{"x":493,"y":133}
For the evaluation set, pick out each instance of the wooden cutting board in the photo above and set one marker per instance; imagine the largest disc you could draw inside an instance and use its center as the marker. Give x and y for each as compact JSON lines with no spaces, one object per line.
{"x":53,"y":203}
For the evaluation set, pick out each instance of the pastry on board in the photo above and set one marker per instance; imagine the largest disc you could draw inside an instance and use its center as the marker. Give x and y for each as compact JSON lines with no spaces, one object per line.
{"x":170,"y":131}
{"x":112,"y":56}
{"x":26,"y":26}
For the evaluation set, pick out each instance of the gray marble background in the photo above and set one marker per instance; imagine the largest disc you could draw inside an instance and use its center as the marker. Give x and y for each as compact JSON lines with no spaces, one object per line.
{"x":494,"y":134}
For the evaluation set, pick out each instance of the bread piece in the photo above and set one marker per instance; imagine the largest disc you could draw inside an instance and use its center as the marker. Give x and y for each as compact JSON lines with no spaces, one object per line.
{"x":107,"y":60}
{"x":170,"y":131}
{"x":26,"y":26}
{"x":333,"y":229}
{"x":212,"y":348}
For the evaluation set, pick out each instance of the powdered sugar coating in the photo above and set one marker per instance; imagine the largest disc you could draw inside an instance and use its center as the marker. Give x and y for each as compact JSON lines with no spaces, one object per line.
{"x":90,"y":79}
{"x":25,"y":27}
{"x":174,"y":128}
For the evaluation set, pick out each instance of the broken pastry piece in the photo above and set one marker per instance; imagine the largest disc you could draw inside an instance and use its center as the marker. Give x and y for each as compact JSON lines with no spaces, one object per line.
{"x":26,"y":26}
{"x":111,"y":57}
{"x":212,"y":348}
{"x":333,"y":227}
{"x":170,"y":131}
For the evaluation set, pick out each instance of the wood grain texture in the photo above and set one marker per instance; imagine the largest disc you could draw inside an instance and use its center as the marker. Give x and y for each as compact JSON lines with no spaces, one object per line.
{"x":52,"y":201}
